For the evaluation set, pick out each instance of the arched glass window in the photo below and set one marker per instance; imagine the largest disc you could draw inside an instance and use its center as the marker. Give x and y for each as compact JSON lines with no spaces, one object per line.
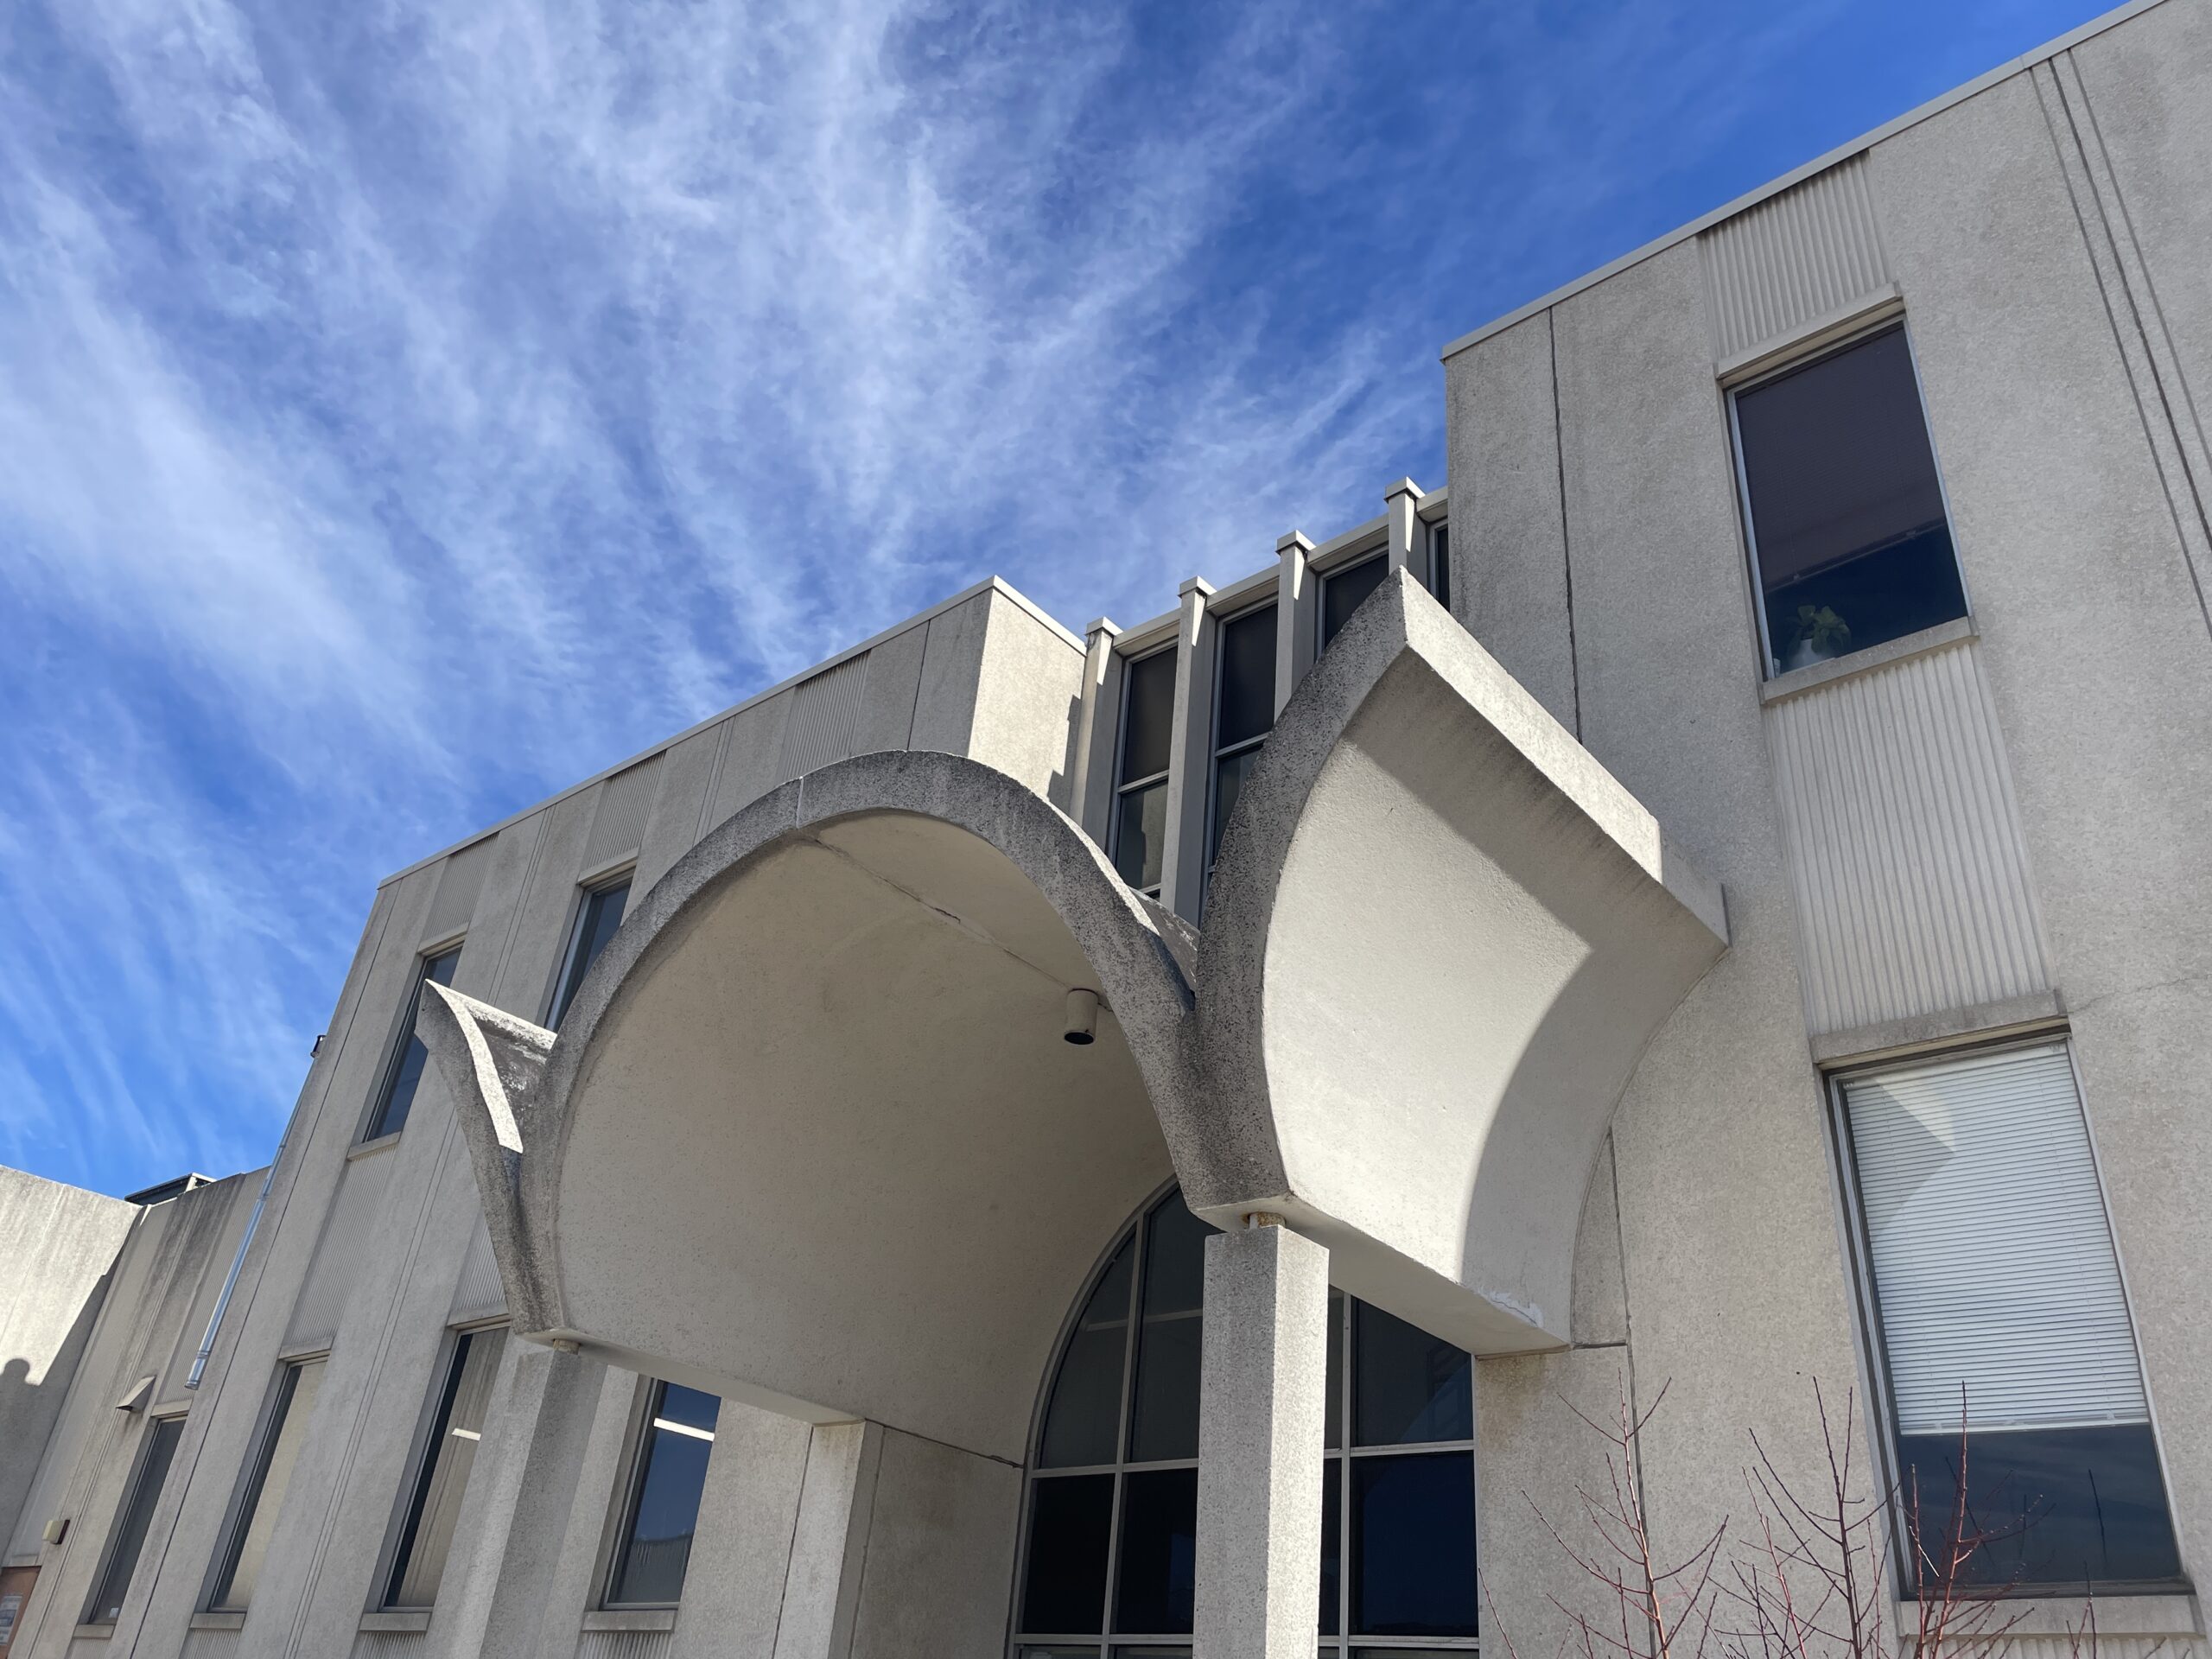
{"x":1110,"y":1543}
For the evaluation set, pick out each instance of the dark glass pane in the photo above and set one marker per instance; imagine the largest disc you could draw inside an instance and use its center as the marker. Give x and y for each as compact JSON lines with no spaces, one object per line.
{"x":1440,"y":564}
{"x":678,"y":1442}
{"x":1140,"y":836}
{"x":595,"y":923}
{"x":1332,"y":1544}
{"x":2075,"y":1505}
{"x":407,"y":1076}
{"x":1342,"y":593}
{"x":1407,"y":1385}
{"x":1248,"y":678}
{"x":1069,"y":1519}
{"x":131,"y":1524}
{"x":1413,"y":1545}
{"x":442,"y":1481}
{"x":1163,"y":1422}
{"x":1159,"y":1568}
{"x":1148,"y":717}
{"x":1846,"y":511}
{"x":1229,"y":775}
{"x":1334,"y":1431}
{"x":1086,"y":1405}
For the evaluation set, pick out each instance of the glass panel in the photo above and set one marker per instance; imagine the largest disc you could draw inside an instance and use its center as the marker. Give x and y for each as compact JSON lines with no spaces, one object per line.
{"x":595,"y":923}
{"x":2077,"y":1505}
{"x":1148,"y":719}
{"x":1408,"y":1386}
{"x":1069,"y":1519}
{"x":1440,"y":564}
{"x":1165,"y":1419}
{"x":1229,"y":775}
{"x":1342,"y":593}
{"x":288,"y":1427}
{"x":1413,"y":1545}
{"x":1140,"y":837}
{"x":1159,"y":1526}
{"x":130,"y":1524}
{"x":1846,"y":512}
{"x":1086,"y":1407}
{"x":672,"y":1472}
{"x":407,"y":1076}
{"x":1334,"y":1429}
{"x":1248,"y":678}
{"x":1333,"y":1511}
{"x":420,"y":1563}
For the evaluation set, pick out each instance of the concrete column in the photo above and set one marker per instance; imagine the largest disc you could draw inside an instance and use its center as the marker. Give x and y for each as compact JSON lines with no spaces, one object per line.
{"x":1093,"y":792}
{"x":1190,"y":753}
{"x":1294,"y":626}
{"x":828,"y":1542}
{"x":748,"y":1516}
{"x":1263,"y":1381}
{"x":1407,"y":544}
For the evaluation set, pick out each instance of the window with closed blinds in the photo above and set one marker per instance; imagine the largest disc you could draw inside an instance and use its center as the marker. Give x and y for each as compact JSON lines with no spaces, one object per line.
{"x":2015,"y":1386}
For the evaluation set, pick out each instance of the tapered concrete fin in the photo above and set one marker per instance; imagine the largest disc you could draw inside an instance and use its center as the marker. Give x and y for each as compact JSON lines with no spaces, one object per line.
{"x":494,"y":1065}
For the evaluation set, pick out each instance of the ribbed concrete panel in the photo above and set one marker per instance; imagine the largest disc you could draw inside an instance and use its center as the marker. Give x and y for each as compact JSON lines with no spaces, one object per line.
{"x":824,"y":709}
{"x":391,"y":1644}
{"x":1793,"y":259}
{"x":1905,"y":852}
{"x":622,"y":1644}
{"x":210,"y":1645}
{"x":619,"y":824}
{"x":347,"y":1239}
{"x":479,"y":1295}
{"x":459,"y":884}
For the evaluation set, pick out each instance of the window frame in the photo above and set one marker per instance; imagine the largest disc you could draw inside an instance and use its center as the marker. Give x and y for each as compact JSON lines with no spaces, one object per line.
{"x":246,"y":1498}
{"x":395,"y":1044}
{"x":629,"y":1492}
{"x":1870,"y":1334}
{"x":421,"y":1466}
{"x":1805,"y":355}
{"x":1216,"y":751}
{"x":561,"y":995}
{"x":1366,"y":554}
{"x":134,"y":1488}
{"x":1121,"y":786}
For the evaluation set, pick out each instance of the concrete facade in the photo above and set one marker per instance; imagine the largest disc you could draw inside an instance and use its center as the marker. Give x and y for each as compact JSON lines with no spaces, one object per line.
{"x":1513,"y":996}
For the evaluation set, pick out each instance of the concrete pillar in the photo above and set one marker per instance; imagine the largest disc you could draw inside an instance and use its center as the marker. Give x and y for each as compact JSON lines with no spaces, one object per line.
{"x":1295,"y":625}
{"x":1190,"y":753}
{"x":748,"y":1516}
{"x":1408,"y":541}
{"x":828,"y":1542}
{"x":1262,"y":1392}
{"x":1093,"y":791}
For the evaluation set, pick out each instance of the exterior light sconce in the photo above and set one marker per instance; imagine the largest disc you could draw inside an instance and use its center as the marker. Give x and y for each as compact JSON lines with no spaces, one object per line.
{"x":1081,"y":1026}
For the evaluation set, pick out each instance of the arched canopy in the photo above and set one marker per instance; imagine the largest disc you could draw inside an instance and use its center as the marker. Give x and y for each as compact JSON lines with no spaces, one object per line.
{"x":809,"y":1133}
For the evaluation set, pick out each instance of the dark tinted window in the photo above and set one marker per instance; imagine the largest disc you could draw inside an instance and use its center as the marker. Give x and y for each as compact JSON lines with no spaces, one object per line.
{"x":1342,"y":593}
{"x":1070,"y":1517}
{"x":1440,"y":564}
{"x":1413,"y":1545}
{"x":597,"y":918}
{"x":132,"y":1520}
{"x":1159,"y":1565}
{"x":1084,"y":1419}
{"x":663,"y":1510}
{"x":1140,"y":836}
{"x":405,"y":1075}
{"x":1246,"y":708}
{"x":1148,"y":716}
{"x":1410,"y":1387}
{"x":1847,"y":522}
{"x":442,"y":1480}
{"x":1164,"y":1423}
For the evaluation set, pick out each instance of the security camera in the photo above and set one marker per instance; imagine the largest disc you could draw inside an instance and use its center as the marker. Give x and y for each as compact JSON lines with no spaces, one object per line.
{"x":1080,"y":1026}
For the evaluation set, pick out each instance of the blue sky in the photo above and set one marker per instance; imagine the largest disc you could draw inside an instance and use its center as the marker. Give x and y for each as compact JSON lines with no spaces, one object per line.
{"x":407,"y":409}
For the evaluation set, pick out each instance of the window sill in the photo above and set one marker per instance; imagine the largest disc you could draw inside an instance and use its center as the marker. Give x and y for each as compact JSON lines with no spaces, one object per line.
{"x":397,"y":1619}
{"x":1899,"y":1038}
{"x":92,"y":1633}
{"x":1798,"y":681}
{"x":385,"y":1142}
{"x":2160,"y":1609}
{"x":218,"y":1618}
{"x":630,"y":1618}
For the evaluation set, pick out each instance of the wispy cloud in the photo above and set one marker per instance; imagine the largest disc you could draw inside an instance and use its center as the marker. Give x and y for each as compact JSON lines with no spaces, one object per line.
{"x":410,"y":408}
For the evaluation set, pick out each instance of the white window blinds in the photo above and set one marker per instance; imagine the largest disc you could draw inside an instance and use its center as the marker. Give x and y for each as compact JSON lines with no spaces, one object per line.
{"x":1992,"y":1262}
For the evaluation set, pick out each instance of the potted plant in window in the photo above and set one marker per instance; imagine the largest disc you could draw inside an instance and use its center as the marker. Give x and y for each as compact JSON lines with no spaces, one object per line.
{"x":1820,"y":635}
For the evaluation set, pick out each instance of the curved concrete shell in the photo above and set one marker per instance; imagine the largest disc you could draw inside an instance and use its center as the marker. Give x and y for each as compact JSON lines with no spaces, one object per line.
{"x":811,"y":1136}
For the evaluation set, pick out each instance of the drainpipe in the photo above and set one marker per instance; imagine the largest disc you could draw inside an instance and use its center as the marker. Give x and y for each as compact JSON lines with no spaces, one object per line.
{"x":238,"y":1261}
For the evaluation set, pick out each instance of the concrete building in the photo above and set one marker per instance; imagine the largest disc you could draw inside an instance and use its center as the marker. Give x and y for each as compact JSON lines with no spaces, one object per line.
{"x":1148,"y":1142}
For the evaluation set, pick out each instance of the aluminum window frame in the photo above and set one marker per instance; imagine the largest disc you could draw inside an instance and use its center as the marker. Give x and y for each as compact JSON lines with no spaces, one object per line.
{"x":1121,"y":787}
{"x":1216,"y":752}
{"x":579,"y":903}
{"x":629,"y":1493}
{"x":419,"y":1468}
{"x":252,"y":1486}
{"x":395,"y":1044}
{"x":1880,"y":321}
{"x":134,"y":1488}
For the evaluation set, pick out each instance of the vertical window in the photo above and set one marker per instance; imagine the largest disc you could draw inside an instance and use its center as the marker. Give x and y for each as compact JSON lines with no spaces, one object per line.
{"x":1343,"y":590}
{"x":1850,"y":540}
{"x":132,"y":1520}
{"x":662,"y":1509}
{"x":441,"y":1480}
{"x":1138,"y":830}
{"x":2002,"y":1323}
{"x":1110,"y":1545}
{"x":267,"y":1476}
{"x":404,"y":1073}
{"x":1440,"y":563}
{"x":597,"y":918}
{"x":1243,"y":711}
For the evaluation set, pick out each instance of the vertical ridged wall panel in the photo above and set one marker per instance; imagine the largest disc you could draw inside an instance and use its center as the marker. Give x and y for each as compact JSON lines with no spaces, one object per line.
{"x":1906,"y":858}
{"x":1798,"y":257}
{"x":391,"y":1644}
{"x":824,"y":709}
{"x":210,"y":1645}
{"x":622,"y":1644}
{"x":479,"y":1295}
{"x":458,"y":884}
{"x":618,"y":823}
{"x":346,"y":1242}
